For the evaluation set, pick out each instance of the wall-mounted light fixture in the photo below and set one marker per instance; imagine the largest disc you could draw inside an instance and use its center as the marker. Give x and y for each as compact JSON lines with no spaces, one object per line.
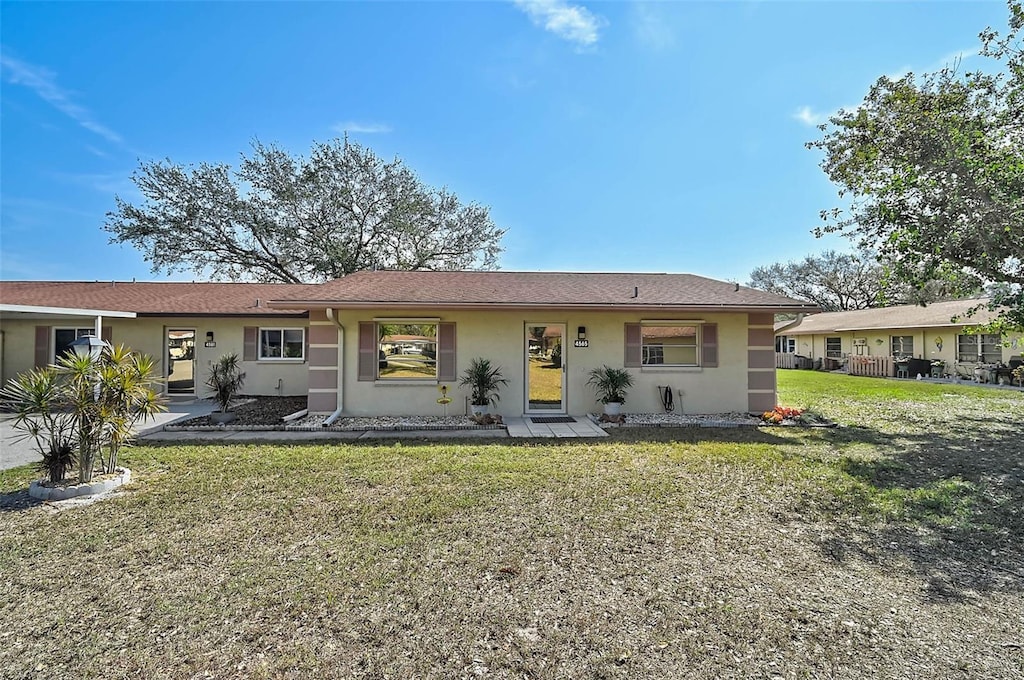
{"x":878,"y":341}
{"x":938,"y":343}
{"x":581,"y":333}
{"x":209,"y":336}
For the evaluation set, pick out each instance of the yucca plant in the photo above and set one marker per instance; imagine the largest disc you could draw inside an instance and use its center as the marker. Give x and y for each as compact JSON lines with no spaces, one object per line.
{"x":226,"y":380}
{"x":87,"y":404}
{"x":108,"y":393}
{"x":126,"y":381}
{"x":42,"y":414}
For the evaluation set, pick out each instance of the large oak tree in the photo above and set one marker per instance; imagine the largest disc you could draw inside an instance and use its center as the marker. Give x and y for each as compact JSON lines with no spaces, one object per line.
{"x":838,"y":282}
{"x":932,"y":168}
{"x":280,"y":217}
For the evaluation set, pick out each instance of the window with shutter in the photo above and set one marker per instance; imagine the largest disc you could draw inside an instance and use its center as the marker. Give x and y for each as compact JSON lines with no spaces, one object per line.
{"x":671,"y":344}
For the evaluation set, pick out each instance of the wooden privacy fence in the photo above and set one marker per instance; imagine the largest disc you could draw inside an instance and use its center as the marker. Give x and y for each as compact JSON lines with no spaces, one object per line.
{"x":785,"y":360}
{"x":878,"y":367}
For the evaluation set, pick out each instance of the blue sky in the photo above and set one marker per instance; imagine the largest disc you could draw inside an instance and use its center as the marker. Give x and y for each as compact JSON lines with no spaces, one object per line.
{"x":617,"y":136}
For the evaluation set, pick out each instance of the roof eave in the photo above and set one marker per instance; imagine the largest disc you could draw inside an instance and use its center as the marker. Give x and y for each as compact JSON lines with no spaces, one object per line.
{"x":65,"y":311}
{"x":618,"y":307}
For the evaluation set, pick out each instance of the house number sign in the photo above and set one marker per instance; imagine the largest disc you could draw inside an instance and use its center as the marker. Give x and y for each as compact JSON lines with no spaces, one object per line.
{"x":581,"y":343}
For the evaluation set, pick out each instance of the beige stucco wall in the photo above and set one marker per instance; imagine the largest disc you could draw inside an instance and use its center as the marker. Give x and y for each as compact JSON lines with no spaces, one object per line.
{"x":148,"y":335}
{"x":500,"y":336}
{"x":878,"y":343}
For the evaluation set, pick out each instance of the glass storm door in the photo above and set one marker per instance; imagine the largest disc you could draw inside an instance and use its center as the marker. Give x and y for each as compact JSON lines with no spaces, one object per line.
{"x":545,"y":368}
{"x":181,"y":361}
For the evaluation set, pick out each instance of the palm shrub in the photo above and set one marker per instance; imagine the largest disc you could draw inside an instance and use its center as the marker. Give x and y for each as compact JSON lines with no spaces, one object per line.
{"x":108,"y":394}
{"x":611,"y":384}
{"x":126,"y":381}
{"x":89,"y":403}
{"x":484,"y":381}
{"x":226,"y":380}
{"x":41,"y":413}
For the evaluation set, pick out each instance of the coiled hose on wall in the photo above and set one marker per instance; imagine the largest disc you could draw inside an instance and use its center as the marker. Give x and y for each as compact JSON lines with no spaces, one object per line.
{"x":667,"y":402}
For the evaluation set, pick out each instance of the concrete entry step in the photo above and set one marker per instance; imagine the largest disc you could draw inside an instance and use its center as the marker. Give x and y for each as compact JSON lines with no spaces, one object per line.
{"x":576,"y":427}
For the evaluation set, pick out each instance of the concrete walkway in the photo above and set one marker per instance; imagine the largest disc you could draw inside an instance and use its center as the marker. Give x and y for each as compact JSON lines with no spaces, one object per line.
{"x":16,"y":451}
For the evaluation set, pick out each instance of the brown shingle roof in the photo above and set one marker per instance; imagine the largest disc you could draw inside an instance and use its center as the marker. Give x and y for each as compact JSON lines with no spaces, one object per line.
{"x":903,"y":316}
{"x":152,"y":298}
{"x":536,"y":289}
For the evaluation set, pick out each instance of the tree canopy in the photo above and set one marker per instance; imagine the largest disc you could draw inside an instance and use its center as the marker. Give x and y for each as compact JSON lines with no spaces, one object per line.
{"x":932,"y":167}
{"x":285,"y":218}
{"x":838,"y":282}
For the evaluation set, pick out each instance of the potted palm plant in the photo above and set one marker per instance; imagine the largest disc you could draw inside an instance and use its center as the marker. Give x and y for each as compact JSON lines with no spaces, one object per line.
{"x":611,"y":385}
{"x":484,"y":381}
{"x":225,"y":380}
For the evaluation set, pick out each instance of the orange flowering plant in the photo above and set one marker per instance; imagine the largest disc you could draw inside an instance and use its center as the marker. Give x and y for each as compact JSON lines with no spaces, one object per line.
{"x":780,"y":413}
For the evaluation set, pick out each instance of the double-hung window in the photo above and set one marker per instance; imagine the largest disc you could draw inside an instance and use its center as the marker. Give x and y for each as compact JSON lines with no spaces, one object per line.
{"x":834,"y":348}
{"x":282,"y":343}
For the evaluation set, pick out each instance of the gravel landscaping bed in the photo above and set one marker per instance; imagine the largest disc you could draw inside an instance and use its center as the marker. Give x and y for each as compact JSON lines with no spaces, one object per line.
{"x":316,"y":422}
{"x":685,"y":420}
{"x":266,"y":413}
{"x":253,"y":412}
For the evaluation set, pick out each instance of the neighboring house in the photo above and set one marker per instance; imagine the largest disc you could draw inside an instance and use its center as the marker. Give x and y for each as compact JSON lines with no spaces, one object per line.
{"x":903,"y":332}
{"x":185,"y":326}
{"x":381,"y":343}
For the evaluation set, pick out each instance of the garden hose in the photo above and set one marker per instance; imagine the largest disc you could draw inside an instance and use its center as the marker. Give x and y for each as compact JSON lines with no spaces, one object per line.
{"x":667,"y":402}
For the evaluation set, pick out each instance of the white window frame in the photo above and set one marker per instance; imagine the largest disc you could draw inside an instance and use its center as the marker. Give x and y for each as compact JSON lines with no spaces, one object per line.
{"x":647,"y":350}
{"x":836,"y":353}
{"x":280,"y":329}
{"x":892,"y":346}
{"x":79,"y":332}
{"x":979,"y":342}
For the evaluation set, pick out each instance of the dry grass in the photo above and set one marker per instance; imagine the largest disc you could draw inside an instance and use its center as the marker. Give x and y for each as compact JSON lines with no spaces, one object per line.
{"x":888,"y":550}
{"x":545,"y":382}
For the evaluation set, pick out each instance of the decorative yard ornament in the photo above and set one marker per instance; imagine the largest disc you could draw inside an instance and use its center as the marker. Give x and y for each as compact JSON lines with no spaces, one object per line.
{"x":444,"y":400}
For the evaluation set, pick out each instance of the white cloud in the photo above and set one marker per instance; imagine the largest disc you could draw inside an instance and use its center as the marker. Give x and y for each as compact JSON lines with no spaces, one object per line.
{"x":574,"y":23}
{"x":955,"y":58}
{"x":808,"y":117}
{"x":365,"y":128}
{"x":43,"y":82}
{"x":651,"y":28}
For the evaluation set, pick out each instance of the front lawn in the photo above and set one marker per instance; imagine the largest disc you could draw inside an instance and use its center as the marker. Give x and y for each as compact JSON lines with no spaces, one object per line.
{"x":889,"y":547}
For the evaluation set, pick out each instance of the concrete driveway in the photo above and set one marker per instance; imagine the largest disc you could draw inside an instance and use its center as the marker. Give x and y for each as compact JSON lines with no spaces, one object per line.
{"x":15,"y":452}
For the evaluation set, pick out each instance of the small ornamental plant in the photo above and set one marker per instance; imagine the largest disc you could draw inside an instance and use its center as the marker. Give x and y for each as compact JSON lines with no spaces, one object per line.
{"x":781,"y":413}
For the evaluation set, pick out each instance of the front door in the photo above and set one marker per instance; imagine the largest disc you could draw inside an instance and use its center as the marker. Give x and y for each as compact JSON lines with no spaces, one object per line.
{"x":545,"y":368}
{"x":181,"y":361}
